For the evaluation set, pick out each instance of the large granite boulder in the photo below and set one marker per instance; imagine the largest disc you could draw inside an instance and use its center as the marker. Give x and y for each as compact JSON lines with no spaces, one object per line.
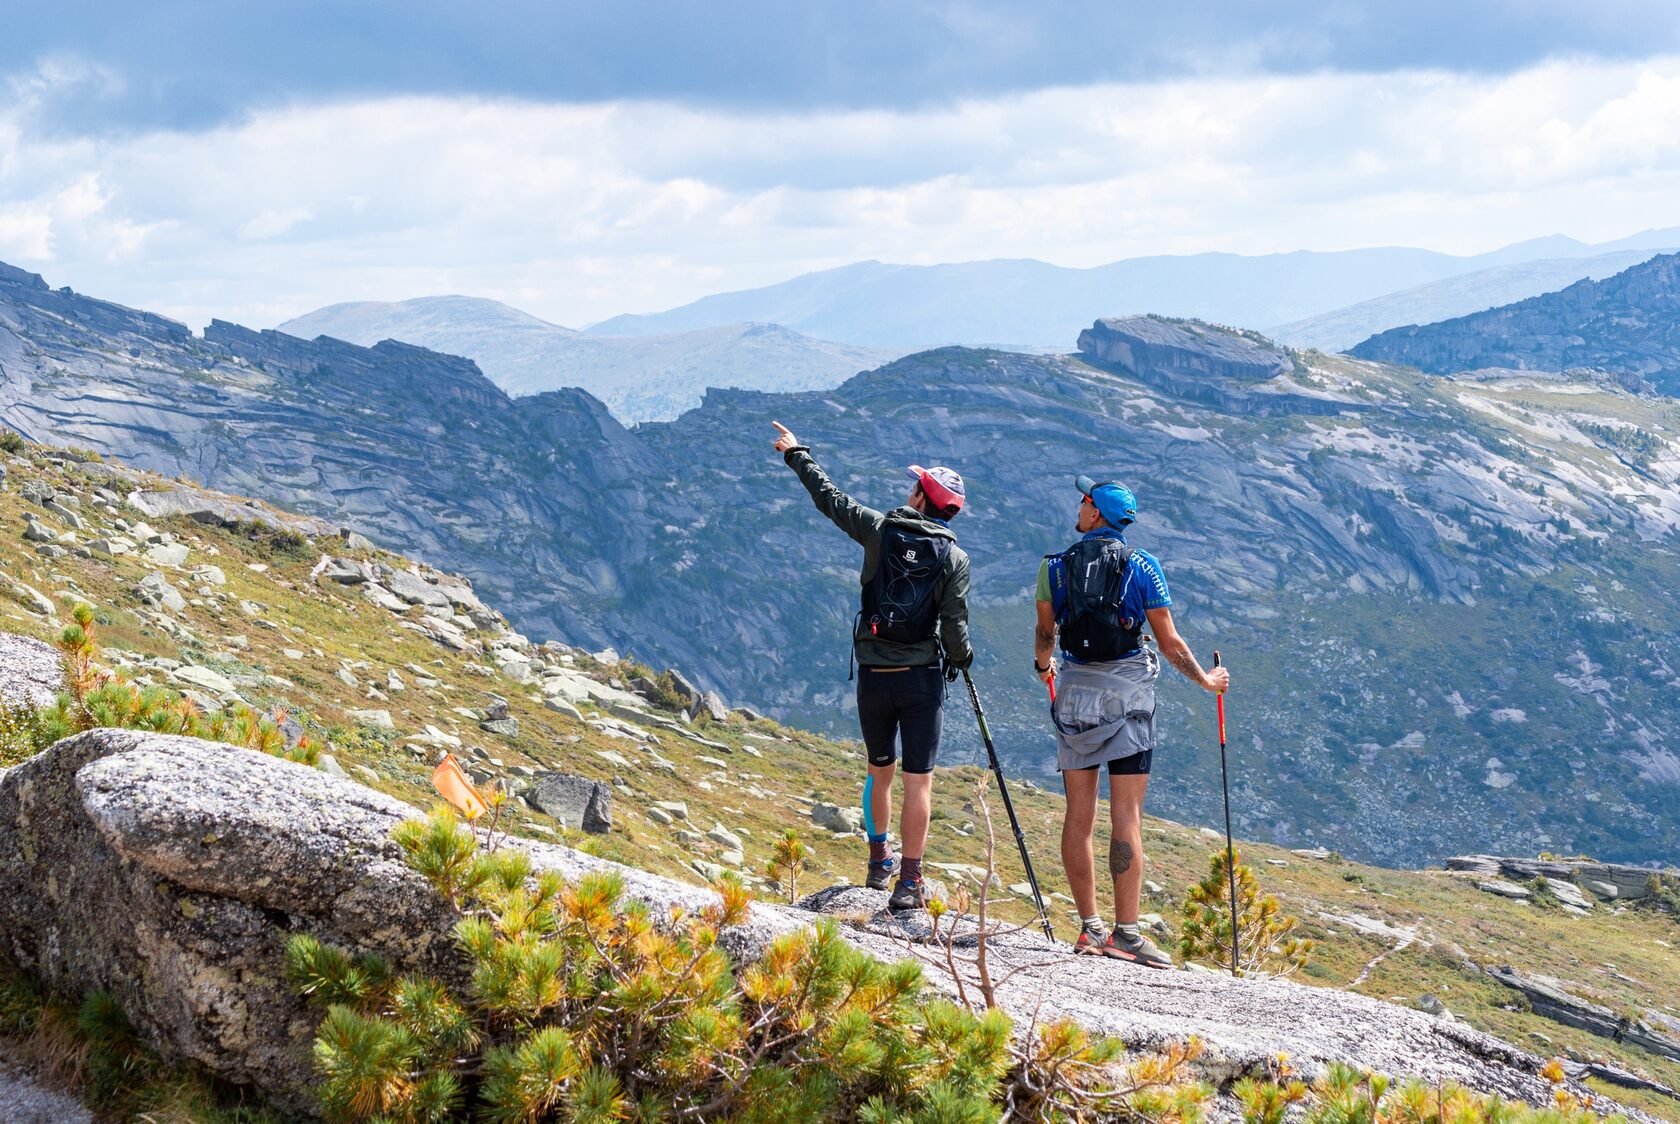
{"x":173,"y":871}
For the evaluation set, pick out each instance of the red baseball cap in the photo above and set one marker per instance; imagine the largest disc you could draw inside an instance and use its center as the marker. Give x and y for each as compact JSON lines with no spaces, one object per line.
{"x":941,"y":485}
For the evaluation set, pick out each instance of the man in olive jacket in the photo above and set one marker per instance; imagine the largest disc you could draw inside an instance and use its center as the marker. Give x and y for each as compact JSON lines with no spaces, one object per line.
{"x":915,"y":611}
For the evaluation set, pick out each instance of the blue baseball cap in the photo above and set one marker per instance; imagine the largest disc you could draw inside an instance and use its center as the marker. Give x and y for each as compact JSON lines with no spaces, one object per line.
{"x":1114,"y":501}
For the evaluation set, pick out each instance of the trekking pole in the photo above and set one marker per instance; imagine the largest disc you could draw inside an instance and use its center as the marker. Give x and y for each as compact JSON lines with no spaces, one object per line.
{"x":1008,"y":806}
{"x":1230,"y":851}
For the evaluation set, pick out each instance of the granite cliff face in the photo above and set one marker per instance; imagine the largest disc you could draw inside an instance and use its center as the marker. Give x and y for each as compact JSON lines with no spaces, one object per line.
{"x":1628,"y":325}
{"x":1437,"y":594}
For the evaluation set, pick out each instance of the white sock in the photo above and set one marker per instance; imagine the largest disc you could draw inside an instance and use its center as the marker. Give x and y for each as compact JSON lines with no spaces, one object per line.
{"x":1130,"y":932}
{"x":1094,"y":926}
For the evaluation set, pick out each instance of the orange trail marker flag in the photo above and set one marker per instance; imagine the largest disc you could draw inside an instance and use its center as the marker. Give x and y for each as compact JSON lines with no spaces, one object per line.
{"x":452,"y":784}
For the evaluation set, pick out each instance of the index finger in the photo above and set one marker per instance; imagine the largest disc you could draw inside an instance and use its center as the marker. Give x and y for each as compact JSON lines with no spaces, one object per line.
{"x":782,"y":428}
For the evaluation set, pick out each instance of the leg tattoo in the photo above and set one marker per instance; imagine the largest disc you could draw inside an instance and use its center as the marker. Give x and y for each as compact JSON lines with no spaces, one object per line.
{"x":1119,"y":856}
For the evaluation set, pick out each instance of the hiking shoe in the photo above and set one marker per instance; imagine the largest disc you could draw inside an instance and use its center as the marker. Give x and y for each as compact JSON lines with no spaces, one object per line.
{"x":1139,"y":951}
{"x":880,"y":873}
{"x":1089,"y":944}
{"x":908,"y":895}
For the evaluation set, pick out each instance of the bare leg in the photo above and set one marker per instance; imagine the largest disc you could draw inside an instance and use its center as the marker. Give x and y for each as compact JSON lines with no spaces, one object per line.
{"x":878,"y":810}
{"x":1080,"y":787}
{"x":918,"y":807}
{"x":1125,"y":847}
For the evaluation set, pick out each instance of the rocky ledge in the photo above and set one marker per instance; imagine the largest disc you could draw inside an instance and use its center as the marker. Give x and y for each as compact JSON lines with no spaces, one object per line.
{"x":1221,"y":367}
{"x":173,"y":871}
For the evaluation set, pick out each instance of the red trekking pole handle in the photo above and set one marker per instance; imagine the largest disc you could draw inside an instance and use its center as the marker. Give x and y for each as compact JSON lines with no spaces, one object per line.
{"x":1051,"y":683}
{"x":1221,"y":697}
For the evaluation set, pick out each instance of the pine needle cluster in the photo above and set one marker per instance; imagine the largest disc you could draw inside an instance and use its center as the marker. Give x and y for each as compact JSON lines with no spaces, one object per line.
{"x":787,"y":861}
{"x":583,"y":1005}
{"x":1265,"y":940}
{"x":95,"y":697}
{"x":1346,"y":1095}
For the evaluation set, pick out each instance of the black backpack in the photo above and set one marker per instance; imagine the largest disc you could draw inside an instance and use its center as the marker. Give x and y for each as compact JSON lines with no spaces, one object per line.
{"x":898,"y":602}
{"x":1092,"y":578}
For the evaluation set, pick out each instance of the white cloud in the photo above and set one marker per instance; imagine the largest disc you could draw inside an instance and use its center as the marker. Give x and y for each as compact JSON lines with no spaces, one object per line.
{"x":576,"y":212}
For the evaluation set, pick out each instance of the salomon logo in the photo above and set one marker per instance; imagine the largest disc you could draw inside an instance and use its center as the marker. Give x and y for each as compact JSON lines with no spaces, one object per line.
{"x":909,"y":556}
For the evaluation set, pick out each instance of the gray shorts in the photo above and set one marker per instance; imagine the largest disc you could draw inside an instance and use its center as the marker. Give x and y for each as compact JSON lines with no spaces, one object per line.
{"x":1105,"y":711}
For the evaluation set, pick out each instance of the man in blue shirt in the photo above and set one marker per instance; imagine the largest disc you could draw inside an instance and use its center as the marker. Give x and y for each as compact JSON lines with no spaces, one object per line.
{"x":1095,"y":598}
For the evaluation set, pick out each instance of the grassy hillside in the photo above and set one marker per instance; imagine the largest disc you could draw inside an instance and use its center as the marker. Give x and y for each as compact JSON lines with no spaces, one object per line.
{"x":318,"y":651}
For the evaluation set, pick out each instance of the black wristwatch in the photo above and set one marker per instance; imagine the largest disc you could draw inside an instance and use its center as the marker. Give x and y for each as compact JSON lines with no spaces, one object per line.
{"x":1041,"y":670}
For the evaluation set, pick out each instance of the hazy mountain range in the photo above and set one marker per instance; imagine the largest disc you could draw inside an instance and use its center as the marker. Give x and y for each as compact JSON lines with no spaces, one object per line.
{"x":642,"y":378}
{"x":1442,"y":596}
{"x":650,"y":368}
{"x":1036,"y":306}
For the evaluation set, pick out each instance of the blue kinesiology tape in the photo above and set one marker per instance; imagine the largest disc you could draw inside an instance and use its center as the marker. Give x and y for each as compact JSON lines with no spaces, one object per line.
{"x":868,"y":815}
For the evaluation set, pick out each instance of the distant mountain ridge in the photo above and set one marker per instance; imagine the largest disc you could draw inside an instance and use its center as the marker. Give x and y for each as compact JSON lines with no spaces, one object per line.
{"x":1437,"y":593}
{"x":643,"y":378}
{"x":1033,"y":305}
{"x":1628,"y":324}
{"x":1453,"y":296}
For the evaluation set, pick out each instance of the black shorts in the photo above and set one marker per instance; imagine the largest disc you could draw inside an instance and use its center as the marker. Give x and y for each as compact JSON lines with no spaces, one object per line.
{"x":1137,"y":765}
{"x":901,"y":707}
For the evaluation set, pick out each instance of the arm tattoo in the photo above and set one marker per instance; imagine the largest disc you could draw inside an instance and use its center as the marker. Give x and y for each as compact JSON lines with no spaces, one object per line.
{"x":1119,"y":856}
{"x":1185,"y":660}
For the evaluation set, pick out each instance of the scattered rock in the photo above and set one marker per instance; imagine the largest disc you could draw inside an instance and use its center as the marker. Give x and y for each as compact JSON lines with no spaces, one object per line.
{"x":384,"y":598}
{"x":573,"y":800}
{"x":837,"y":819}
{"x":504,"y":727}
{"x":676,"y":809}
{"x":1505,"y":889}
{"x":209,"y":679}
{"x":379,"y":718}
{"x":1569,"y":894}
{"x":168,"y":554}
{"x":715,"y":706}
{"x":155,"y":590}
{"x":69,"y":518}
{"x":31,"y":598}
{"x":561,"y":706}
{"x":726,"y":839}
{"x":36,"y":531}
{"x":414,"y":589}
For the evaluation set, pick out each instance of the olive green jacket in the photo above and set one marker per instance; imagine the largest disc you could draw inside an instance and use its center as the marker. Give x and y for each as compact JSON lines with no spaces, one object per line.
{"x":864,"y":525}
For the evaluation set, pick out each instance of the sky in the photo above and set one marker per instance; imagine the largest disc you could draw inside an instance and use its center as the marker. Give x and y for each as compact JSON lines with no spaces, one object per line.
{"x":254,"y":161}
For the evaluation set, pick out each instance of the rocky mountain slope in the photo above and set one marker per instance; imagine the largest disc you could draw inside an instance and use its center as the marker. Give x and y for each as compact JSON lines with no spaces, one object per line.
{"x":640,"y":378}
{"x":386,"y":662}
{"x":1441,"y":597}
{"x":1628,"y":324}
{"x":1452,"y":296}
{"x":1031,"y":305}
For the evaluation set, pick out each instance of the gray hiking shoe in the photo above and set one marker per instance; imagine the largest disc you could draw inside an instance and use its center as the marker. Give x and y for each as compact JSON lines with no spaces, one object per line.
{"x":880,"y":873}
{"x":908,"y":895}
{"x":1142,"y":950}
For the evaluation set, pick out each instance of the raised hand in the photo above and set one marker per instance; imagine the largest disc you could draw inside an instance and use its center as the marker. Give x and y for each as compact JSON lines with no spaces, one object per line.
{"x":787,"y":440}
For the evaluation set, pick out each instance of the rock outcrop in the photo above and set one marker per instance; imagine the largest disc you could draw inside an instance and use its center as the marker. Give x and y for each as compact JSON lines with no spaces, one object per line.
{"x":1610,"y":881}
{"x":1552,"y":999}
{"x":172,"y":871}
{"x":1628,"y":324}
{"x":1220,"y":367}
